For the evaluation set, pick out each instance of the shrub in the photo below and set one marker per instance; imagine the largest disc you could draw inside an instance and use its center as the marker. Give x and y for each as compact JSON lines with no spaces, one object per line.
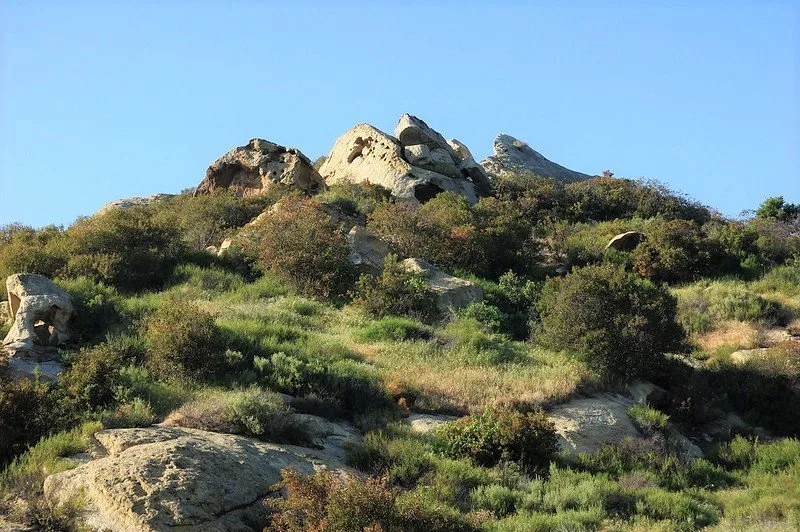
{"x":250,"y":411}
{"x":354,"y":198}
{"x":98,"y":307}
{"x":306,"y":248}
{"x":487,"y":315}
{"x":622,"y":324}
{"x":29,"y":410}
{"x":500,"y":500}
{"x":393,"y":329}
{"x":124,"y":248}
{"x":27,"y":250}
{"x":648,"y":419}
{"x":94,"y":376}
{"x":136,"y":413}
{"x":674,"y":251}
{"x":213,"y":279}
{"x":396,"y":291}
{"x":183,"y":341}
{"x":501,"y":434}
{"x":344,"y":504}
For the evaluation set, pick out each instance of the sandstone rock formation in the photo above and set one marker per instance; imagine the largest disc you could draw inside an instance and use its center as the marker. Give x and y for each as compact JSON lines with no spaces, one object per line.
{"x":626,"y":241}
{"x":415,"y":166}
{"x":40,"y":313}
{"x":249,"y":170}
{"x":367,"y":251}
{"x":5,"y":312}
{"x":451,"y":292}
{"x":127,"y":203}
{"x":586,"y":424}
{"x":513,"y":155}
{"x":165,"y":478}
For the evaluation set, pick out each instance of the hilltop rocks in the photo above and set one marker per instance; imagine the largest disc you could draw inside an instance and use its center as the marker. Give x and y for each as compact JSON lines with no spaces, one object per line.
{"x":415,"y":166}
{"x":161,"y":478}
{"x":626,"y":241}
{"x":451,"y":292}
{"x":127,"y":203}
{"x":249,"y":170}
{"x":40,"y":313}
{"x":513,"y":155}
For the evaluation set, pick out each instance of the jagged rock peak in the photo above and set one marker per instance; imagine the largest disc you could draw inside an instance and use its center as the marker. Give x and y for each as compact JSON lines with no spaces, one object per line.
{"x":514,"y":155}
{"x":249,"y":170}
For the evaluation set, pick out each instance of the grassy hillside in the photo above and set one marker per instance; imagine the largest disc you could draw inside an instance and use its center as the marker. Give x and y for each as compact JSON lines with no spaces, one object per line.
{"x":168,"y":330}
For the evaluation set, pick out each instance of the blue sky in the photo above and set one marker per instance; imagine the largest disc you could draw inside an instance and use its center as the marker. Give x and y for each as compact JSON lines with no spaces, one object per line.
{"x":102,"y":101}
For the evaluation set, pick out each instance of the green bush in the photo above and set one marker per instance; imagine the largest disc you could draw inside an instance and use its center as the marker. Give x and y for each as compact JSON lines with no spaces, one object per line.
{"x":29,"y":410}
{"x":184,"y":342}
{"x":306,"y":248}
{"x":136,"y":413}
{"x":93,"y":378}
{"x":648,"y":419}
{"x":344,"y":504}
{"x":396,"y":291}
{"x":393,"y":329}
{"x":622,"y":324}
{"x":354,"y":198}
{"x":98,"y":308}
{"x":501,"y":434}
{"x":674,"y":251}
{"x":27,"y":250}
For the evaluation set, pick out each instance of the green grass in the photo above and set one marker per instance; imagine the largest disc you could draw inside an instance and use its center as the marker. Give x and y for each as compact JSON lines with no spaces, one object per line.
{"x":393,"y":329}
{"x":648,"y":419}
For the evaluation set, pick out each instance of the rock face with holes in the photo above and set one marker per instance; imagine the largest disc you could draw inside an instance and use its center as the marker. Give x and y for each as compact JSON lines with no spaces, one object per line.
{"x":451,"y":292}
{"x":40,"y":313}
{"x":249,"y":170}
{"x":416,"y":164}
{"x":165,"y":478}
{"x":626,"y":241}
{"x":513,"y":155}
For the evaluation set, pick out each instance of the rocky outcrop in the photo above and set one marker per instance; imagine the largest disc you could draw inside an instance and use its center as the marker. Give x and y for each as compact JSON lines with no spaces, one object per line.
{"x":424,"y":423}
{"x":451,"y":292}
{"x":5,"y":312}
{"x":163,"y":478}
{"x":40,"y":314}
{"x":415,"y":165}
{"x":249,"y":170}
{"x":626,"y":241}
{"x":513,"y":155}
{"x":586,"y":424}
{"x":127,"y":203}
{"x":367,"y":251}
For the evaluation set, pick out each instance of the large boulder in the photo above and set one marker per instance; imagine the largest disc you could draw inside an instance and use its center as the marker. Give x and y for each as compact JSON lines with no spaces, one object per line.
{"x":626,"y":241}
{"x":249,"y":170}
{"x":451,"y":292}
{"x":40,"y":313}
{"x":168,"y":478}
{"x":415,"y":167}
{"x":588,"y":423}
{"x":367,"y":251}
{"x":513,"y":155}
{"x":127,"y":203}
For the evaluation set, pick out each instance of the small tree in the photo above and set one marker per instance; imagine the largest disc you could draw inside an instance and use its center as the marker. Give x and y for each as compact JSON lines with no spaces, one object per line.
{"x":396,"y":291}
{"x":304,"y":246}
{"x":184,"y":342}
{"x":621,"y":323}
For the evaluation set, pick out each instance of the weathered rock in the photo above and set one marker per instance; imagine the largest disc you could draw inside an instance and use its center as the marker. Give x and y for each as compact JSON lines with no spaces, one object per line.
{"x":25,"y":368}
{"x":424,"y":423}
{"x":512,"y":155}
{"x":626,"y":241}
{"x":647,"y":393}
{"x":460,"y":149}
{"x":366,"y":154}
{"x":40,"y":313}
{"x":367,"y":251}
{"x":744,"y":356}
{"x":451,"y":292}
{"x":164,"y":478}
{"x":127,"y":203}
{"x":5,"y":312}
{"x":249,"y":170}
{"x":586,"y":424}
{"x":411,"y":130}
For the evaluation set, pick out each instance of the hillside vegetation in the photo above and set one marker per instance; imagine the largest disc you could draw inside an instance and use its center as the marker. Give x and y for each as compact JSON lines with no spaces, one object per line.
{"x":167,"y":330}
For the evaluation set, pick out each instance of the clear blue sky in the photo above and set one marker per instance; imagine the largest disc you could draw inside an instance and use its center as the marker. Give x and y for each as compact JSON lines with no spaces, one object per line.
{"x":104,"y":100}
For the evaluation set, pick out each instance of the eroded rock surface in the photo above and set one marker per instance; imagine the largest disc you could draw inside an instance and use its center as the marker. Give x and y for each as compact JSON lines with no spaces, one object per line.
{"x":40,"y":312}
{"x":167,"y":478}
{"x":586,"y":424}
{"x":127,"y":203}
{"x":367,"y":251}
{"x":249,"y":170}
{"x":451,"y":292}
{"x":626,"y":241}
{"x":416,"y":165}
{"x":513,"y":155}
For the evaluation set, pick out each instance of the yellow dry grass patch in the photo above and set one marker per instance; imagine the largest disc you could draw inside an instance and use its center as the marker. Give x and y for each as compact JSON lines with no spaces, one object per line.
{"x":736,"y":334}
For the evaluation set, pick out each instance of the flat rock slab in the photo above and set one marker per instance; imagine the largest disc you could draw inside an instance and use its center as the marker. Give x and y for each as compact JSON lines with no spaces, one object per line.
{"x":167,"y":478}
{"x":586,"y":424}
{"x":424,"y":423}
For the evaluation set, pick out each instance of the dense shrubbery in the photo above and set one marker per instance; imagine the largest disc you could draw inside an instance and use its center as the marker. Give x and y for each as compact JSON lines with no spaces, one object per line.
{"x":501,"y":434}
{"x":183,"y":342}
{"x":301,"y":244}
{"x":354,"y":199}
{"x":622,"y":324}
{"x":395,"y":291}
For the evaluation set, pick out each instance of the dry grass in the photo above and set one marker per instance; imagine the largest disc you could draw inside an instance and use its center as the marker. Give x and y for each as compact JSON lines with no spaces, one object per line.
{"x":734,"y":334}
